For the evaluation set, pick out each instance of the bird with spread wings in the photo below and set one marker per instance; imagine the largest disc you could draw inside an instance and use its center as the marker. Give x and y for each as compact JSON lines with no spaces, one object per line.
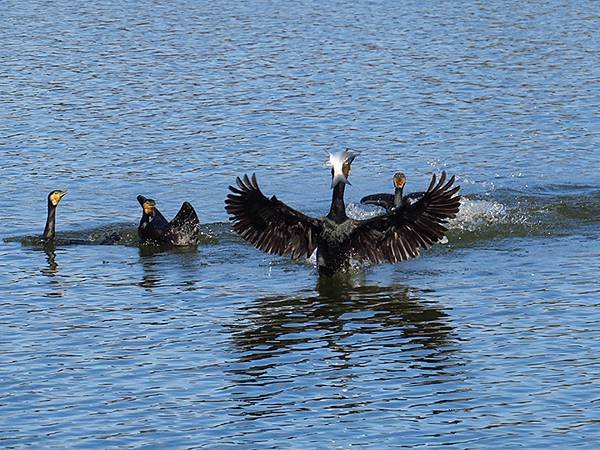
{"x":400,"y":234}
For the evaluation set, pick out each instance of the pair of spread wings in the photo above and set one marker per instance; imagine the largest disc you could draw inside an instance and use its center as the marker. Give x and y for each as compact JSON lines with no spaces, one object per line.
{"x":274,"y":227}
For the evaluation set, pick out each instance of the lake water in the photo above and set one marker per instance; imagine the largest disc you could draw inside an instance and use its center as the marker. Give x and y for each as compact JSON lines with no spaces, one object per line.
{"x":487,"y":341}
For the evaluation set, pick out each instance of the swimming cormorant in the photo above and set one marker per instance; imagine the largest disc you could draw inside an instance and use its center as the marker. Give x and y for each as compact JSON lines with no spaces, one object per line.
{"x":275,"y":228}
{"x":389,"y":201}
{"x":182,"y":230}
{"x":54,"y":199}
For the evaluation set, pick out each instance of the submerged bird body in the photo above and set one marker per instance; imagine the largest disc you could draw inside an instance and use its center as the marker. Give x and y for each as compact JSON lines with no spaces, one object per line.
{"x":275,"y":228}
{"x":395,"y":200}
{"x":182,"y":230}
{"x":389,"y":201}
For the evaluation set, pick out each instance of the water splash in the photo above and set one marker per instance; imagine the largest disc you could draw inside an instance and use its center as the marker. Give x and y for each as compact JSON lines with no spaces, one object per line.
{"x":362,"y":212}
{"x":477,"y":219}
{"x":474,"y":214}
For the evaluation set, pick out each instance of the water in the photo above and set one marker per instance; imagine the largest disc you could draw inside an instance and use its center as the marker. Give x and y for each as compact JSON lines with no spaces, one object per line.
{"x":486,"y":341}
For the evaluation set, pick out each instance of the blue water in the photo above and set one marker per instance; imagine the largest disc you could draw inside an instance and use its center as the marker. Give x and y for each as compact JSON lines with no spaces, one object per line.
{"x":488,"y":340}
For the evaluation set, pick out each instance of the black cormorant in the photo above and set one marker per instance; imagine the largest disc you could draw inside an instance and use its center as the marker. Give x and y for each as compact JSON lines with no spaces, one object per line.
{"x":182,"y":230}
{"x":389,"y":201}
{"x":275,"y":228}
{"x":49,"y":238}
{"x":54,"y":199}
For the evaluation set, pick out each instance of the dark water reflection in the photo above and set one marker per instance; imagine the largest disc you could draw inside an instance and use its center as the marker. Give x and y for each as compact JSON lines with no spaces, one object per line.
{"x":338,"y":311}
{"x":52,"y":268}
{"x":342,"y":339}
{"x":184,"y":260}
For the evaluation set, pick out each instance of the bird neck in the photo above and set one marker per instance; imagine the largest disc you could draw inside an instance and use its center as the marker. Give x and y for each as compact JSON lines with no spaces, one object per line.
{"x":146,"y":219}
{"x":337,"y":212}
{"x":157,"y":219}
{"x":50,"y":222}
{"x":398,"y":196}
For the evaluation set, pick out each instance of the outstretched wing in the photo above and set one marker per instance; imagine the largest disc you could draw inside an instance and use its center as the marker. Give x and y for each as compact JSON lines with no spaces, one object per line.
{"x":185,"y":217}
{"x":400,"y":234}
{"x":185,"y":226}
{"x":384,"y":200}
{"x":412,"y":197}
{"x":269,"y":224}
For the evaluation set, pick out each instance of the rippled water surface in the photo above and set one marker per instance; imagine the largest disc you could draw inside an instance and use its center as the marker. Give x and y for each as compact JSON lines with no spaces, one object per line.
{"x":489,"y":340}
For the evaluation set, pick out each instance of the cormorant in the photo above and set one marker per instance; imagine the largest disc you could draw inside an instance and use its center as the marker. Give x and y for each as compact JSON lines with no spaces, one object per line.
{"x":182,"y":230}
{"x":50,"y":240}
{"x":54,"y":199}
{"x":275,"y":228}
{"x":389,"y":201}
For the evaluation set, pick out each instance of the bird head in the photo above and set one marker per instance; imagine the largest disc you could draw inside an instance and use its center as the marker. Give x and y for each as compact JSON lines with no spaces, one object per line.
{"x":55,"y":197}
{"x":399,"y":180}
{"x":340,"y":163}
{"x":148,"y":205}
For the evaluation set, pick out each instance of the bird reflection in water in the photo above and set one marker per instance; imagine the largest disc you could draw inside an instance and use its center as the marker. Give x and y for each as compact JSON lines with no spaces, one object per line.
{"x":52,"y":269}
{"x":55,"y":285}
{"x":339,"y":312}
{"x":337,"y":345}
{"x":153,"y":259}
{"x":150,"y":277}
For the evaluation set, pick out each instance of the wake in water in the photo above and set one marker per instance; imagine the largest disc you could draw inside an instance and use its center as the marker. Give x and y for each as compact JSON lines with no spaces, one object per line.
{"x":106,"y":235}
{"x":114,"y":234}
{"x":473,"y":214}
{"x":510,"y":216}
{"x":478,"y":220}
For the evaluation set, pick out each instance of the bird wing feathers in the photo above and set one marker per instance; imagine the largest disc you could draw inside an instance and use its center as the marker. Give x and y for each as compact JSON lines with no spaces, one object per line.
{"x":185,"y":226}
{"x":400,"y":234}
{"x":384,"y":200}
{"x":268,"y":223}
{"x":185,"y":217}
